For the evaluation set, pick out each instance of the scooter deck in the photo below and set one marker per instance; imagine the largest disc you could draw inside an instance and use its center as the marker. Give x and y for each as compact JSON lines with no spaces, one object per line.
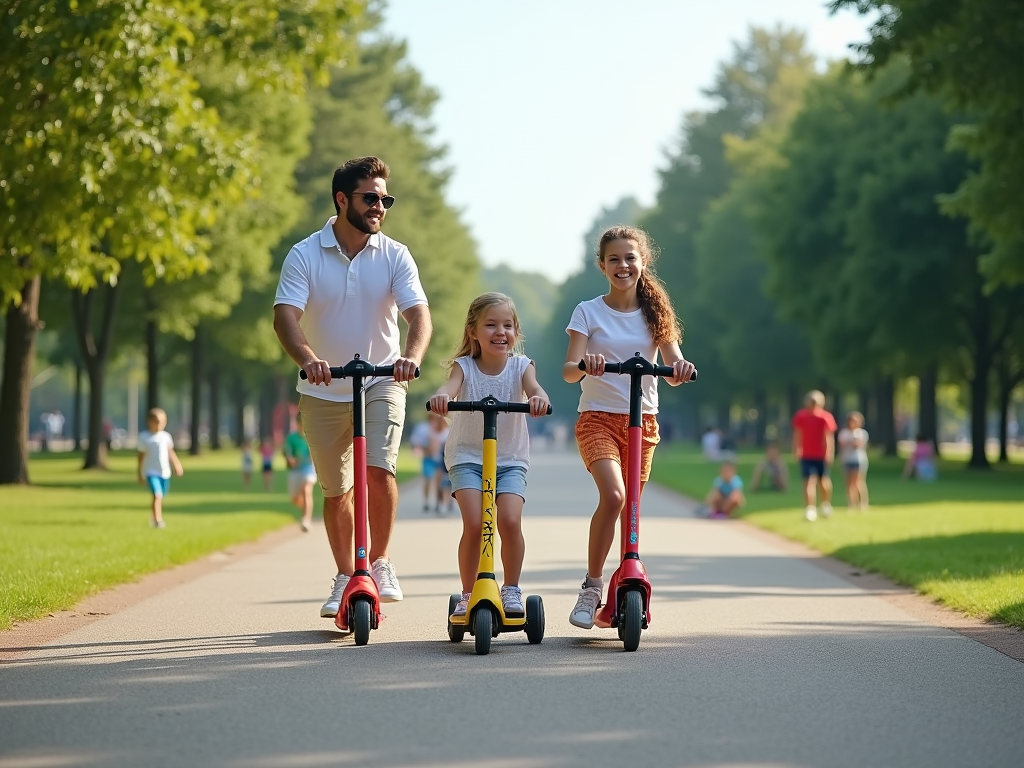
{"x":486,"y":593}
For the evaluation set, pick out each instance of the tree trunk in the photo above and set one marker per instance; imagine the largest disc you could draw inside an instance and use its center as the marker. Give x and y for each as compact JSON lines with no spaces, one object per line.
{"x":267,"y":396}
{"x":95,"y":350}
{"x":723,"y":416}
{"x":885,"y":396}
{"x":979,"y":385}
{"x":214,"y":384}
{"x":197,"y":392}
{"x":152,"y":366}
{"x":761,"y":405}
{"x":77,"y":411}
{"x":16,"y":390}
{"x":1005,"y":391}
{"x":240,"y":396}
{"x":927,"y":409}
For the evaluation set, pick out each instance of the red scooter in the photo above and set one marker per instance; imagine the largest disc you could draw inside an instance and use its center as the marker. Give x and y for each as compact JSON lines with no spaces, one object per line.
{"x":628,"y":607}
{"x":359,"y":611}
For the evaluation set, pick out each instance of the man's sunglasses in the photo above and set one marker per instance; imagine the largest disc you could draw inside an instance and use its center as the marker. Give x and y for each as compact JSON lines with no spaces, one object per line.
{"x":372,"y":198}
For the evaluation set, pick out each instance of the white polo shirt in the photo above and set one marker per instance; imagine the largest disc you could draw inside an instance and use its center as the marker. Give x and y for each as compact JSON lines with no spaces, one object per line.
{"x":349,"y":306}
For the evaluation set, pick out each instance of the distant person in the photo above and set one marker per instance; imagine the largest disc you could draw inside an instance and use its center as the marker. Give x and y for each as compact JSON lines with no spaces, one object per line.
{"x":921,"y":463}
{"x":726,"y":495}
{"x":853,"y":455}
{"x":156,"y":460}
{"x":301,"y":475}
{"x":267,"y":458}
{"x":727,"y":447}
{"x":442,"y":484}
{"x":770,"y":470}
{"x":419,"y":441}
{"x":44,"y":432}
{"x":247,"y":463}
{"x":710,"y":444}
{"x":814,"y":446}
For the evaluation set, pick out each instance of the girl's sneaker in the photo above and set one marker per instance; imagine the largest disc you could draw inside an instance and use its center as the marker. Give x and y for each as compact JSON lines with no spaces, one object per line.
{"x":512,"y":601}
{"x":586,"y":606}
{"x":462,"y":606}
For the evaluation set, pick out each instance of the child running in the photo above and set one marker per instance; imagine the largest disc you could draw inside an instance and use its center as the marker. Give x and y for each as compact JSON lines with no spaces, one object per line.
{"x":490,"y":361}
{"x":635,"y":315}
{"x":156,"y":459}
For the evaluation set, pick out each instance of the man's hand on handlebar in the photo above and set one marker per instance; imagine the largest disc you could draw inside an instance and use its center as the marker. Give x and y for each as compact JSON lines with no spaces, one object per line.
{"x":405,"y":369}
{"x":317,"y":371}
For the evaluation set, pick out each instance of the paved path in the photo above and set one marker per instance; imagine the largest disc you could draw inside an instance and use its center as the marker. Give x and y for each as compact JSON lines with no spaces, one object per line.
{"x":755,"y":658}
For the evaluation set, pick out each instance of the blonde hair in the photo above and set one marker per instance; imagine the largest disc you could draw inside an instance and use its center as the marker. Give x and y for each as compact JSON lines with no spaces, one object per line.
{"x":158,"y":415}
{"x":654,"y":301}
{"x":470,"y":347}
{"x":815,"y":397}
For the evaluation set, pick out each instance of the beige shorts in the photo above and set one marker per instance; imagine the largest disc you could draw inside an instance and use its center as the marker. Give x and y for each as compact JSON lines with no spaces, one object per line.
{"x":328,"y":428}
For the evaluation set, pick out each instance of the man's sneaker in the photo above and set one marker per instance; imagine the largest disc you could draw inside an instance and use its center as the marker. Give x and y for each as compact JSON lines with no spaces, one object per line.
{"x":330,"y":609}
{"x":463,"y":605}
{"x":826,"y":510}
{"x":811,"y":514}
{"x":586,"y":606}
{"x":387,"y":582}
{"x":512,"y":601}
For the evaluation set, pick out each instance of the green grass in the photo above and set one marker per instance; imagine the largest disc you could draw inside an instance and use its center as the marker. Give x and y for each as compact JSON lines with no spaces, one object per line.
{"x":959,"y":540}
{"x":75,"y":533}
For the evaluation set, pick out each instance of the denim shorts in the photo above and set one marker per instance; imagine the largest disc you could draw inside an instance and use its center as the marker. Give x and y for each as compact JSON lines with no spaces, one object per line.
{"x":470,"y":476}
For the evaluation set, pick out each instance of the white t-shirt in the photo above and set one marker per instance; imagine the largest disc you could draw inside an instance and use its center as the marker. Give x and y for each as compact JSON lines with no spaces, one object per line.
{"x":157,"y":449}
{"x":852,"y":445}
{"x":618,"y":336}
{"x":349,"y":306}
{"x":466,"y":439}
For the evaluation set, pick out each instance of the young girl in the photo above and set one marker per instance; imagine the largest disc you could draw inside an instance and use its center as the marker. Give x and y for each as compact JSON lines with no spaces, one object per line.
{"x":490,"y":361}
{"x":156,"y":460}
{"x":635,"y":315}
{"x":853,"y":441}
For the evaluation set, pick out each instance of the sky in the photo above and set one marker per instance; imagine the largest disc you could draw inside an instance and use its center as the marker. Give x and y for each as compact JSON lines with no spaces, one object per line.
{"x":553,"y":109}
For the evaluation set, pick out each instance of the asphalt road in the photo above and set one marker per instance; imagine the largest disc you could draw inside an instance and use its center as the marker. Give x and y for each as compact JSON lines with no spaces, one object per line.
{"x":754,"y":658}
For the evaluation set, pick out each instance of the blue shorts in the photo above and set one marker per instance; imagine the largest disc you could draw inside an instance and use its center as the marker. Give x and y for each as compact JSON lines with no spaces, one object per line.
{"x":158,"y":485}
{"x":470,"y":476}
{"x":429,"y":466}
{"x":812,"y":467}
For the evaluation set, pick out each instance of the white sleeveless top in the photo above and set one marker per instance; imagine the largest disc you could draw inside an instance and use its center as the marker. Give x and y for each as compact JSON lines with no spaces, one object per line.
{"x":465,"y":441}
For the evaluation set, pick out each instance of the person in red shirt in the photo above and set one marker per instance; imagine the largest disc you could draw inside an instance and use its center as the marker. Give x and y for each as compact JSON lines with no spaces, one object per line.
{"x":814,"y":444}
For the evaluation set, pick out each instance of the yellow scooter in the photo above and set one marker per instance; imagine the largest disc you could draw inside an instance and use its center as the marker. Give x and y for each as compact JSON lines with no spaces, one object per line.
{"x":485,"y":618}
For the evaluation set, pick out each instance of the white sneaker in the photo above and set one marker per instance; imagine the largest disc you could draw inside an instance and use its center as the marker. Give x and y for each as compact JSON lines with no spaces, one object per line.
{"x":330,"y":609}
{"x":387,"y":582}
{"x":826,"y":510}
{"x":463,"y":605}
{"x":586,"y":606}
{"x":512,"y":601}
{"x":811,"y":514}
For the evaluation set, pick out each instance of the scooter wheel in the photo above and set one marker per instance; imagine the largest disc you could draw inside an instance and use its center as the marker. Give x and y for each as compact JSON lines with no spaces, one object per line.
{"x":534,"y":619}
{"x":455,"y":633}
{"x":483,"y":624}
{"x":361,"y":621}
{"x":632,"y":620}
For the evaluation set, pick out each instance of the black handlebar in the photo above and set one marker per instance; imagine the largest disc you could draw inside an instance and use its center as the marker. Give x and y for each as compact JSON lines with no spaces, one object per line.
{"x":359,"y":367}
{"x":488,"y":404}
{"x":638,"y":365}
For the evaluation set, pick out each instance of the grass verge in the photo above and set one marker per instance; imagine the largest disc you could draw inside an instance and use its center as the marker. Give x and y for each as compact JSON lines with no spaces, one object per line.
{"x":76,"y":533}
{"x":959,"y":540}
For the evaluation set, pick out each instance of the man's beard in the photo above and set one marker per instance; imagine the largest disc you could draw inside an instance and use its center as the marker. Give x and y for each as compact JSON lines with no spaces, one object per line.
{"x":359,"y":222}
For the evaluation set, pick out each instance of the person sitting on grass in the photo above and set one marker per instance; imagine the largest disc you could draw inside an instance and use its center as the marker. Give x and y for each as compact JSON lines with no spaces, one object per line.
{"x":921,"y":463}
{"x":772,"y":469}
{"x":726,"y":494}
{"x":156,"y":459}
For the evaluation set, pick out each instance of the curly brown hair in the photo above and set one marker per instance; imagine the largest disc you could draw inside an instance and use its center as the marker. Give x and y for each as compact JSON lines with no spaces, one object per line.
{"x":655,"y":303}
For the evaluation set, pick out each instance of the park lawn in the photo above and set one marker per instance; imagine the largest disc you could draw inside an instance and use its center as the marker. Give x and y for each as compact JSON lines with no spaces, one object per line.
{"x":959,"y":540}
{"x":76,"y":533}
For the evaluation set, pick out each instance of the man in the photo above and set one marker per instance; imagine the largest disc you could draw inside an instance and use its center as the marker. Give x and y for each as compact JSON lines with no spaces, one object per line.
{"x":301,"y":474}
{"x":814,"y":444}
{"x":340,"y":294}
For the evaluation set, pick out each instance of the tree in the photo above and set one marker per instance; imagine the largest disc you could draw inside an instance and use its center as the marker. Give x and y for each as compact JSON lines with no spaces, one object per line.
{"x":967,"y":52}
{"x":109,"y":152}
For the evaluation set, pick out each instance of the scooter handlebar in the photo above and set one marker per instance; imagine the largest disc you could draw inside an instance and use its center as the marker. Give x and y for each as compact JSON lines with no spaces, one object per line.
{"x":488,"y":404}
{"x":655,"y":370}
{"x":363,"y":369}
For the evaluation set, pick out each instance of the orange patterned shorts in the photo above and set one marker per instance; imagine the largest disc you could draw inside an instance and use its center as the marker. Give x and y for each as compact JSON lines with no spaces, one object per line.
{"x":601,"y":435}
